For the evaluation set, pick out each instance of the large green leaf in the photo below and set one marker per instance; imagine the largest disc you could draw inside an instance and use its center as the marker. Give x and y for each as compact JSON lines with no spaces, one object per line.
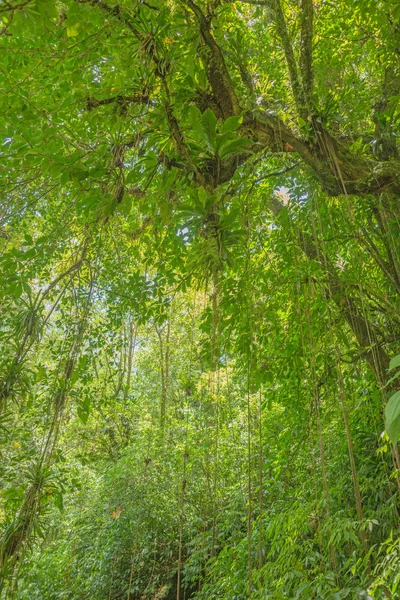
{"x":234,"y":147}
{"x":392,"y":413}
{"x":231,"y":124}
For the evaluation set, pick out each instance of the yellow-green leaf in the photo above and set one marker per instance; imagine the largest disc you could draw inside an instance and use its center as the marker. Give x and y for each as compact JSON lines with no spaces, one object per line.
{"x":73,"y":30}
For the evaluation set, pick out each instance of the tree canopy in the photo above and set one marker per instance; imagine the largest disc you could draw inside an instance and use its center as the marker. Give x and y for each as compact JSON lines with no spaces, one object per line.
{"x":200,"y":274}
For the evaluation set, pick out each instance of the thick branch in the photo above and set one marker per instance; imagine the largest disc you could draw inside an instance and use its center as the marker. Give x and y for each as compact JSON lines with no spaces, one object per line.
{"x":217,"y":71}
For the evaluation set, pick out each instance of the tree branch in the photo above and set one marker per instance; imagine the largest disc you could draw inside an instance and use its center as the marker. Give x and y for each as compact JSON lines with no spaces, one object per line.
{"x":307,"y":18}
{"x":280,"y":22}
{"x":217,"y":72}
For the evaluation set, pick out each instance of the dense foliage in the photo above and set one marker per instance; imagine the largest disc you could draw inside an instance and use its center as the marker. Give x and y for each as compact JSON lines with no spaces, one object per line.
{"x":200,"y":275}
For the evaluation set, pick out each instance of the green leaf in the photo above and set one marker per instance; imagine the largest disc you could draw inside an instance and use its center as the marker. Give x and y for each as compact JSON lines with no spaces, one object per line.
{"x":231,"y":124}
{"x":126,"y":204}
{"x":15,"y":289}
{"x":132,"y":177}
{"x":83,"y":410}
{"x":202,"y":195}
{"x":234,"y":147}
{"x":392,"y":413}
{"x":58,"y":501}
{"x":394,"y":363}
{"x":195,"y":117}
{"x":209,"y":122}
{"x":73,"y":30}
{"x":86,"y":204}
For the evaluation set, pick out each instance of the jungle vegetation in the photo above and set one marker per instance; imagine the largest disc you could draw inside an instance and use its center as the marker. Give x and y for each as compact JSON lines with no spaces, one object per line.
{"x":200,"y":294}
